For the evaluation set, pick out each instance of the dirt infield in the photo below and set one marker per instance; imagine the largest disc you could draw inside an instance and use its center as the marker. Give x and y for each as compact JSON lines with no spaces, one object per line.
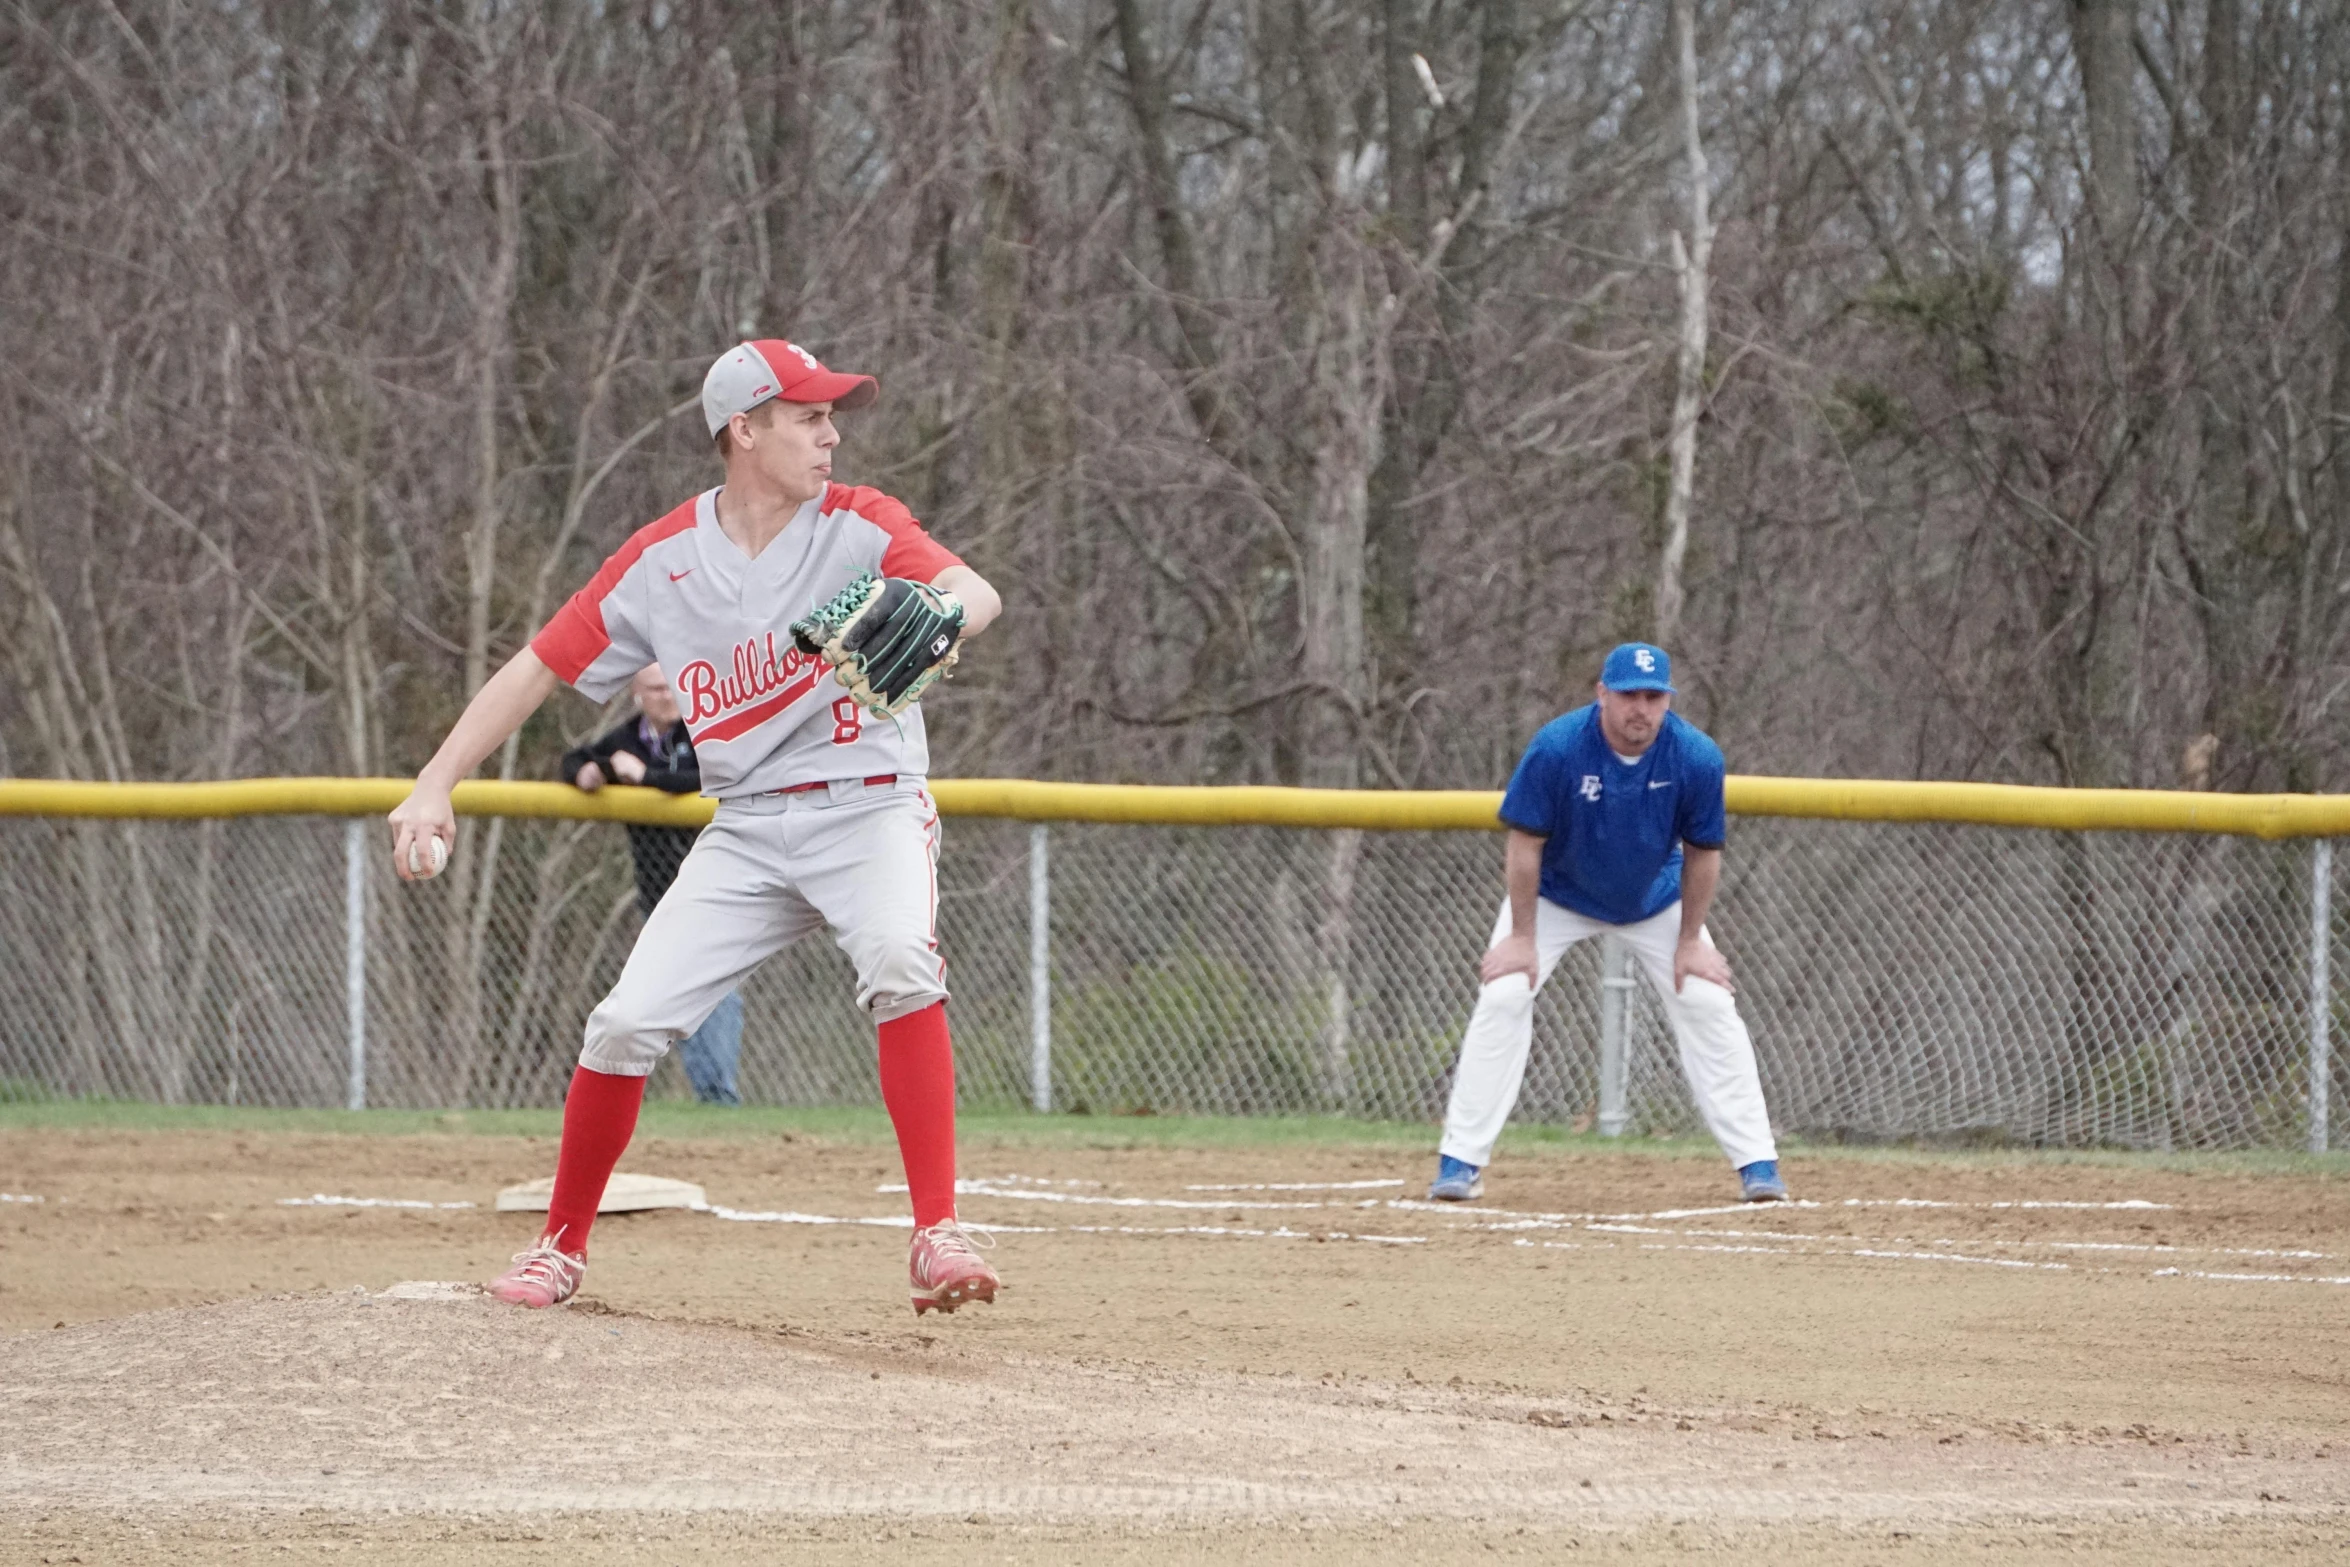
{"x":217,"y":1342}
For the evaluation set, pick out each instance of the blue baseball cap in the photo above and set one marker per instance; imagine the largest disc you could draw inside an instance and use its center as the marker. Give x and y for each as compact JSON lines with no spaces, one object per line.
{"x":1637,"y":666}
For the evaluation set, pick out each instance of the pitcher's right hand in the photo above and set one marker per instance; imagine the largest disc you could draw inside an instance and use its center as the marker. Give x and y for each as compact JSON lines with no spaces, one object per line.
{"x":424,"y":834}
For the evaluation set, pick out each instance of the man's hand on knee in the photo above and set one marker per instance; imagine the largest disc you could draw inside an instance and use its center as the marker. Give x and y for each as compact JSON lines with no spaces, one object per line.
{"x":1512,"y":955}
{"x":1695,"y":959}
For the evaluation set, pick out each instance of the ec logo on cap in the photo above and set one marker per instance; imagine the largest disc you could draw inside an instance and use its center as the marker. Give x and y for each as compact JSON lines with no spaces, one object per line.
{"x":1637,"y":666}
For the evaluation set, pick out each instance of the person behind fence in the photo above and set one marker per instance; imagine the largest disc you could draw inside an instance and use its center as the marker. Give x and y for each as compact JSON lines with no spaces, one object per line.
{"x":654,"y":749}
{"x":1616,"y":826}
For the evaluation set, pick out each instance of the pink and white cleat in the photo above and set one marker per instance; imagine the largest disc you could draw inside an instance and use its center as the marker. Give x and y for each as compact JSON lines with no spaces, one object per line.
{"x":541,"y":1276}
{"x":947,"y":1271}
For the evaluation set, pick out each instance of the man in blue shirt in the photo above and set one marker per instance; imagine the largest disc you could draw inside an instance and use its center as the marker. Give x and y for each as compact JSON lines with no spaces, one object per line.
{"x":1616,"y":826}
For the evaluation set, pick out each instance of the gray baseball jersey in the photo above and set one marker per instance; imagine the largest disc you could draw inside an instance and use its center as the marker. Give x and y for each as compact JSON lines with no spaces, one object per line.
{"x":763,"y":715}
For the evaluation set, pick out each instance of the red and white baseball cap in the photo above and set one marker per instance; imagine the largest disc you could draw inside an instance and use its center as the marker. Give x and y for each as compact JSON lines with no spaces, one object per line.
{"x":750,"y":373}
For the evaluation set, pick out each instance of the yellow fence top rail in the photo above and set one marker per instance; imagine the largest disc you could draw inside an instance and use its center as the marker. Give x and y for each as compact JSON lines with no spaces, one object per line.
{"x":1995,"y":805}
{"x":339,"y":797}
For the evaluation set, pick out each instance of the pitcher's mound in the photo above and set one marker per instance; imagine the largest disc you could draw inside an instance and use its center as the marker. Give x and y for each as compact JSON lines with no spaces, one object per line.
{"x":432,"y":1399}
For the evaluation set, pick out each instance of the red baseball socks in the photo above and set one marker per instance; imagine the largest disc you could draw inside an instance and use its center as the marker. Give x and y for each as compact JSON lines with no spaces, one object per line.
{"x":599,"y":1117}
{"x":918,"y":1085}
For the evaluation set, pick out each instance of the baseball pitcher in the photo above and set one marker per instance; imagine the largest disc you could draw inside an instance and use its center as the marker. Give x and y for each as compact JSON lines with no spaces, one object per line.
{"x":1615,"y":825}
{"x":800,"y":622}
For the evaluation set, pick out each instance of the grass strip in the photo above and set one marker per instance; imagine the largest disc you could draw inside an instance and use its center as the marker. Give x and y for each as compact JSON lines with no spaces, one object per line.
{"x":1001,"y":1127}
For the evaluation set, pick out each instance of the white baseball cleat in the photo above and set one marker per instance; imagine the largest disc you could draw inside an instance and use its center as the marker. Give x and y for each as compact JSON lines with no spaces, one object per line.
{"x":542,"y":1276}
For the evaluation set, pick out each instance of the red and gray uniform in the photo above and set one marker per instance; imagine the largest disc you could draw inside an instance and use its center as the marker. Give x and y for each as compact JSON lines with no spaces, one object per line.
{"x":763,"y":714}
{"x":823,"y":817}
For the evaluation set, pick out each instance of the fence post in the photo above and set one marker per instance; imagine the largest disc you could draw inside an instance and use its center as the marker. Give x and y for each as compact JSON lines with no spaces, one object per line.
{"x":1615,"y":984}
{"x":1040,"y":972}
{"x":355,"y":954}
{"x":2321,"y":990}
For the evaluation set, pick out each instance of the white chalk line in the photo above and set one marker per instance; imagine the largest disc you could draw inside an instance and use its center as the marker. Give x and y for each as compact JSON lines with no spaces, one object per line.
{"x":20,"y":1197}
{"x":1081,"y":1199}
{"x":1786,"y":1238}
{"x":975,"y":1182}
{"x":1646,"y":1229}
{"x":1283,"y":1233}
{"x":988,"y":1183}
{"x":1778,"y":1243}
{"x":325,"y":1200}
{"x":2151,"y":1247}
{"x":2249,"y":1278}
{"x":1862,"y":1251}
{"x":2131,"y":1205}
{"x":1704,"y":1213}
{"x":1774,"y":1243}
{"x":906,"y":1222}
{"x":988,"y":1188}
{"x":900,"y":1221}
{"x":1949,"y":1256}
{"x":2126,"y":1205}
{"x":1813,"y":1247}
{"x":1782,"y":1243}
{"x":1020,"y":1180}
{"x":1301,"y":1186}
{"x":2209,"y":1251}
{"x":1033,"y":1188}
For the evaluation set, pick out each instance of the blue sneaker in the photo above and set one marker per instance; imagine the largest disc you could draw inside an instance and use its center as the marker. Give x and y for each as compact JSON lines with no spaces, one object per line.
{"x":1455,"y":1181}
{"x":1760,"y":1181}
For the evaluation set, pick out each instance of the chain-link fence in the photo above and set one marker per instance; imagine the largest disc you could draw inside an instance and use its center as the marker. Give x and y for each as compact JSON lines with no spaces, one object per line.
{"x":1903,"y":981}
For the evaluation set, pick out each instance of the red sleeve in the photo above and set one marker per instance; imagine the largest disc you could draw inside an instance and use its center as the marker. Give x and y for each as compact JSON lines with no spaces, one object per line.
{"x":910,"y":553}
{"x":576,"y":635}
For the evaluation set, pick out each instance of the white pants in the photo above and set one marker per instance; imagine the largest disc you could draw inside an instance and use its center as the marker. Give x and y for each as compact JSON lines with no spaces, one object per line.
{"x":1717,"y":1056}
{"x":764,"y":873}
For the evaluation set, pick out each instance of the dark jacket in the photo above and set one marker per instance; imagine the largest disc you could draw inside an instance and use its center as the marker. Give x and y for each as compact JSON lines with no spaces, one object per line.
{"x":670,"y":767}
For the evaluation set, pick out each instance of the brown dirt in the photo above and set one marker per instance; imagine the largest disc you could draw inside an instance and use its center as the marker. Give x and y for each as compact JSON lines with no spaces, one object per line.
{"x":193,"y":1363}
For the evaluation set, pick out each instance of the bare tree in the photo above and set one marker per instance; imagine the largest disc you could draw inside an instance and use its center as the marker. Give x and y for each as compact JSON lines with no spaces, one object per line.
{"x":1692,"y":266}
{"x":1294,"y":365}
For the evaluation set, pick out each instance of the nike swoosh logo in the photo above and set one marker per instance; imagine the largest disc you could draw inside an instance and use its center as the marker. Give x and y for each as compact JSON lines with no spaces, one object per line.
{"x":680,"y":576}
{"x":1666,"y":783}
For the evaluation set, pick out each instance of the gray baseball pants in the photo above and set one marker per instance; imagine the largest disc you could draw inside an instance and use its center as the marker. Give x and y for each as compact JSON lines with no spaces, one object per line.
{"x":768,"y":870}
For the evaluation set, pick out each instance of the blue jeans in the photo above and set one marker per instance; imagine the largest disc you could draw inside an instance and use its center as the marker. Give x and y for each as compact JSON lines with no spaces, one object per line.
{"x":711,"y":1053}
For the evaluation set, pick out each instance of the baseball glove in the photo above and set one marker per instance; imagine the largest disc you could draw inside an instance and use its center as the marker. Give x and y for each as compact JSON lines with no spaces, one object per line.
{"x":886,"y":639}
